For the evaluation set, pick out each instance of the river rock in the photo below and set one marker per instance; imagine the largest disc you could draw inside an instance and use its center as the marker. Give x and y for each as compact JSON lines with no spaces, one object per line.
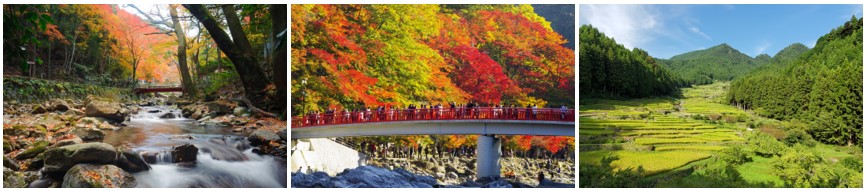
{"x":15,"y":179}
{"x":193,"y":111}
{"x":240,"y":111}
{"x":108,"y":110}
{"x":41,"y":183}
{"x":61,"y":159}
{"x":451,"y":175}
{"x":97,"y":176}
{"x":36,"y":149}
{"x":8,"y":146}
{"x":71,"y":141}
{"x":11,"y":164}
{"x":130,"y":161}
{"x":261,"y":137}
{"x":283,"y":133}
{"x":219,"y":107}
{"x":57,"y":105}
{"x":364,"y":177}
{"x":91,"y":122}
{"x":37,"y":109}
{"x":88,"y":135}
{"x":168,"y":116}
{"x":184,"y":153}
{"x":153,"y":111}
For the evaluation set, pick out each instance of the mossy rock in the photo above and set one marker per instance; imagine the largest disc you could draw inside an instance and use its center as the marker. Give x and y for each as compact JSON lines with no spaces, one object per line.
{"x":38,"y":148}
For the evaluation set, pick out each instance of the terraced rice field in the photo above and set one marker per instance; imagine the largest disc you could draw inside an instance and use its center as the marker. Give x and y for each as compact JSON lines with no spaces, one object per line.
{"x":653,"y":133}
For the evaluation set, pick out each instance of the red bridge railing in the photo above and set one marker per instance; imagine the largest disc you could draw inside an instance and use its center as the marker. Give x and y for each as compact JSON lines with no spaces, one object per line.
{"x":372,"y":116}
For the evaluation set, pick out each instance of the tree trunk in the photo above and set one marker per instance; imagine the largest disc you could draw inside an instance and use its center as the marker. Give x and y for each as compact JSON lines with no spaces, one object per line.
{"x":278,"y":17}
{"x":68,"y":66}
{"x":188,"y":85}
{"x":237,"y":49}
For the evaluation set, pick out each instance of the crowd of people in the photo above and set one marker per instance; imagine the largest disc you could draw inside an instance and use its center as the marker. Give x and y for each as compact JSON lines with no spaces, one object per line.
{"x":470,"y":110}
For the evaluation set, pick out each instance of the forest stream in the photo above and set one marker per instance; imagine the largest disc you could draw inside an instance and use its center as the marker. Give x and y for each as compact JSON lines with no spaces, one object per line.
{"x":225,"y":158}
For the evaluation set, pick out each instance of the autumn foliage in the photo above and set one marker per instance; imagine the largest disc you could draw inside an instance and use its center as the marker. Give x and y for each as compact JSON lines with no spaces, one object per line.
{"x":356,"y":56}
{"x":85,"y":42}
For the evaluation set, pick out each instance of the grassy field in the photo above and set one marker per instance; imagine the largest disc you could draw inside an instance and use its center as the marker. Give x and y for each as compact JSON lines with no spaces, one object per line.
{"x":675,"y":139}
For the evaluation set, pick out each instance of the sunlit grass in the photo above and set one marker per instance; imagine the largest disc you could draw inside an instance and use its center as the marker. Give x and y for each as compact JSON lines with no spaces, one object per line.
{"x":690,"y":147}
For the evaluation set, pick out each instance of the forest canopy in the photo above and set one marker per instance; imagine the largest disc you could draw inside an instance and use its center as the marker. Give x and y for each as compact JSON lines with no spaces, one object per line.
{"x":355,"y":56}
{"x":608,"y":69}
{"x":822,"y":87}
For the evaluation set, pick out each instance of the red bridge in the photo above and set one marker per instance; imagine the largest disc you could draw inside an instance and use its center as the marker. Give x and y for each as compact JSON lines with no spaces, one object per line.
{"x":486,"y":122}
{"x":143,"y":90}
{"x":442,"y":114}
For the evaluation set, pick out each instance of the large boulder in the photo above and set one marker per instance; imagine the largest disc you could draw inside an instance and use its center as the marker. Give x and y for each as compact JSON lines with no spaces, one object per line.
{"x":130,"y":161}
{"x":61,"y":159}
{"x":262,"y":137}
{"x":97,"y":176}
{"x":219,"y":107}
{"x":88,"y":134}
{"x":57,"y":105}
{"x":283,"y":133}
{"x":193,"y":111}
{"x":69,"y":141}
{"x":184,"y":153}
{"x":104,"y":109}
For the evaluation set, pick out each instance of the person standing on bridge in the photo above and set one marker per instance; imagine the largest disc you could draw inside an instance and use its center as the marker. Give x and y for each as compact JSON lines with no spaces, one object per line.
{"x":562,"y":111}
{"x":453,"y":109}
{"x":411,"y":111}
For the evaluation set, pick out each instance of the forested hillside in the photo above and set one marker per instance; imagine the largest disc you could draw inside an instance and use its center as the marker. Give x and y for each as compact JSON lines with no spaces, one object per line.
{"x":609,"y":69}
{"x":721,"y":62}
{"x":561,"y":19}
{"x":97,"y":44}
{"x":823,"y":87}
{"x":355,"y":56}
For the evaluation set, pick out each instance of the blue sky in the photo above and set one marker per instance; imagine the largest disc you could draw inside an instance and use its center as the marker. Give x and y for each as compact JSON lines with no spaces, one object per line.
{"x":668,"y":30}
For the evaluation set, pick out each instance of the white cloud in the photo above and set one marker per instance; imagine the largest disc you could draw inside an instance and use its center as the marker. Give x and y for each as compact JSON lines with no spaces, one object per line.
{"x":629,"y":25}
{"x":698,"y":31}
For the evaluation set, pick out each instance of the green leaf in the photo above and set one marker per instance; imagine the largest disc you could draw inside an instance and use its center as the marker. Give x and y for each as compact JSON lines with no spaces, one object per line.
{"x":42,"y":23}
{"x":47,"y":18}
{"x":31,"y":16}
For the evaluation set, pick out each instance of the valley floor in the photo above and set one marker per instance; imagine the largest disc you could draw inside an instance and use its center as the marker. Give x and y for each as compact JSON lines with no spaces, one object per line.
{"x":669,"y":137}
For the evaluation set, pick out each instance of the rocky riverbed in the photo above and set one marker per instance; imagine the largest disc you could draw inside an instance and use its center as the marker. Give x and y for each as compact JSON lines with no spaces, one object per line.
{"x":442,"y":172}
{"x":92,"y":143}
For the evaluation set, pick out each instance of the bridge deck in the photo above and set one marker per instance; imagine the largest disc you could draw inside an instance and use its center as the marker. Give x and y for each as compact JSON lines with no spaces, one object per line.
{"x":505,"y":121}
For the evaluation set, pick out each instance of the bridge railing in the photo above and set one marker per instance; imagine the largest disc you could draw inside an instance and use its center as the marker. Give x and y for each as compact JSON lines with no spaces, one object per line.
{"x":342,"y":117}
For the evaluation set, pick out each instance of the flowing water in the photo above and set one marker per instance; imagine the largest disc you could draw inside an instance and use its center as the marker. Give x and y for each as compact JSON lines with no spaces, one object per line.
{"x":224,"y":159}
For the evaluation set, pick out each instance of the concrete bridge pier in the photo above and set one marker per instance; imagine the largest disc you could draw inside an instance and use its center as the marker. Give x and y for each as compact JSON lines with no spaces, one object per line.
{"x":489,"y":149}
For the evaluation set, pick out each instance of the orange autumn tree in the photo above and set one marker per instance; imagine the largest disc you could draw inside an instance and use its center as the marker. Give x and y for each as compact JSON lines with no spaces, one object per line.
{"x":145,"y":52}
{"x":359,"y":56}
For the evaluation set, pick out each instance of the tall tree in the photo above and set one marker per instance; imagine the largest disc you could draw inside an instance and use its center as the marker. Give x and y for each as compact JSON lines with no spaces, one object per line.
{"x":173,"y":26}
{"x":280,"y":32}
{"x":238,"y":50}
